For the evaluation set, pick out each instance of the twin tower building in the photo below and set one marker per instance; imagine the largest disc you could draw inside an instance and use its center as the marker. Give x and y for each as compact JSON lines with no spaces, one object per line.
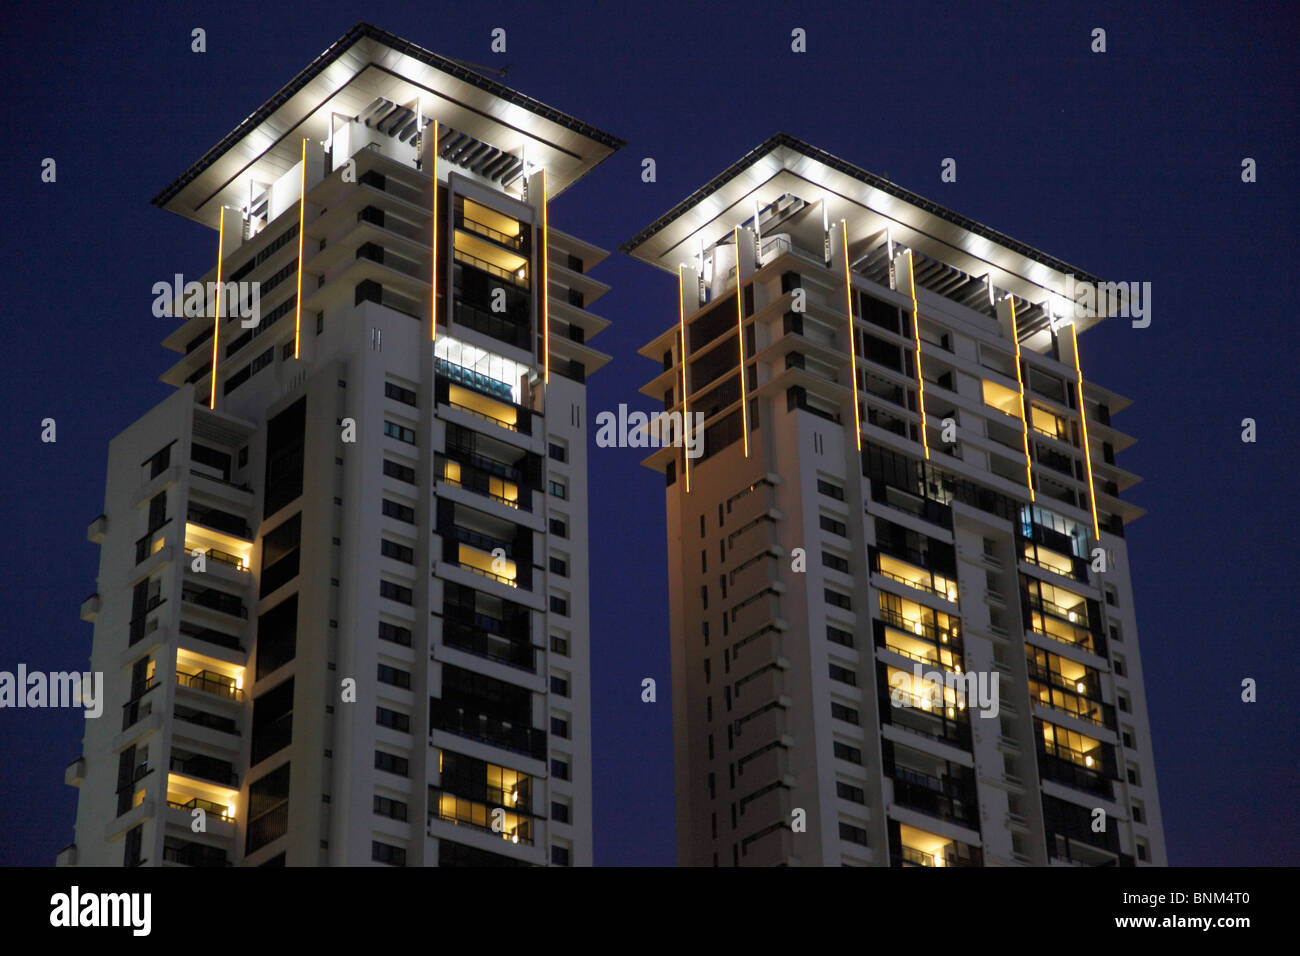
{"x":342,"y":610}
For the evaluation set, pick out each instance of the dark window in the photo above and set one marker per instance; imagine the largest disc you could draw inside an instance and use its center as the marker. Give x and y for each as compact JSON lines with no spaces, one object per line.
{"x":560,"y":727}
{"x":559,"y":528}
{"x":846,"y":714}
{"x":280,"y":555}
{"x":560,"y":686}
{"x":395,"y":592}
{"x":853,"y":834}
{"x":560,"y":855}
{"x":559,"y":769}
{"x":391,"y":763}
{"x":400,"y":432}
{"x":559,"y":605}
{"x":134,"y":842}
{"x":843,"y":675}
{"x":401,"y":512}
{"x":398,"y":552}
{"x":272,"y":721}
{"x":559,"y":566}
{"x":284,"y":456}
{"x":557,"y":452}
{"x":277,"y":636}
{"x":395,"y":633}
{"x":401,"y":472}
{"x":849,"y":792}
{"x":392,"y":719}
{"x":394,"y":676}
{"x":845,"y":752}
{"x":560,"y":645}
{"x":837,"y":599}
{"x":399,"y":394}
{"x":833,"y":526}
{"x":386,"y":807}
{"x":387,"y":853}
{"x":835,"y":562}
{"x":559,"y":812}
{"x":829,"y":490}
{"x":268,"y":809}
{"x":839,"y":635}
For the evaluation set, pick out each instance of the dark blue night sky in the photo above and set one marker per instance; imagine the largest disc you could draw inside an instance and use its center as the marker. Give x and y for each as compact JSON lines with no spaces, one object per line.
{"x":1125,"y":164}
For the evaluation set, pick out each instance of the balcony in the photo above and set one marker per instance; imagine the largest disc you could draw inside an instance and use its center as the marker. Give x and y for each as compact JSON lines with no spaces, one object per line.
{"x":194,"y":854}
{"x":943,"y":797}
{"x":214,"y":600}
{"x":513,"y":653}
{"x":513,"y":242}
{"x":142,"y":625}
{"x":137,"y":708}
{"x":500,"y":327}
{"x":453,"y":719}
{"x":484,"y":482}
{"x":152,"y":542}
{"x":205,"y":768}
{"x":219,"y":520}
{"x":212,"y":682}
{"x":448,"y":807}
{"x":90,"y":608}
{"x":216,"y":810}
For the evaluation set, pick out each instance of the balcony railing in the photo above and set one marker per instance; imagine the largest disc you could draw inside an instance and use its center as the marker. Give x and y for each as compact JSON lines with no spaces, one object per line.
{"x":219,"y":520}
{"x":447,"y":716}
{"x":492,"y":646}
{"x":500,"y":328}
{"x":215,"y":600}
{"x":461,"y":811}
{"x":195,"y":854}
{"x":145,"y":546}
{"x":210,"y":682}
{"x":932,"y":632}
{"x":490,"y":269}
{"x":500,"y":238}
{"x":208,"y":768}
{"x":207,"y":806}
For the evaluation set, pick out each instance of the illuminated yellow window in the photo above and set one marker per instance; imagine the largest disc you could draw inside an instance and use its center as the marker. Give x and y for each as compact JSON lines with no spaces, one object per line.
{"x":1005,"y":400}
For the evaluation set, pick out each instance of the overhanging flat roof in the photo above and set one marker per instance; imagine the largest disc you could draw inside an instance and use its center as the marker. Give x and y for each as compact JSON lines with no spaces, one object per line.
{"x":784,"y":164}
{"x":362,"y":65}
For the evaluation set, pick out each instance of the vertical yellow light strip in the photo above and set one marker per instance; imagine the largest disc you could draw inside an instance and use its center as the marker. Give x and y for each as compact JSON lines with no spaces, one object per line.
{"x":853,"y":335}
{"x":686,"y":420}
{"x":1015,"y":336}
{"x":546,"y":288}
{"x":1083,"y":417}
{"x":433,"y":256}
{"x":916,"y":332}
{"x":740,"y":341}
{"x":216,"y":321}
{"x":302,"y":225}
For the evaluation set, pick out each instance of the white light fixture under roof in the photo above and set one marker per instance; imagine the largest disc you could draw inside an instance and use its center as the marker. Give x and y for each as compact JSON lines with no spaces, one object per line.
{"x":482,"y":362}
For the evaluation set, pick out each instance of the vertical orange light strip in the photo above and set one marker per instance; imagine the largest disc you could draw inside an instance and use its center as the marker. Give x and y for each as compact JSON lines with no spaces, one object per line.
{"x":546,"y":287}
{"x":916,"y":332}
{"x":433,"y":256}
{"x":1083,"y":417}
{"x":740,"y":341}
{"x":853,"y":335}
{"x":302,"y":224}
{"x":686,"y":420}
{"x":1024,"y":420}
{"x":216,"y":321}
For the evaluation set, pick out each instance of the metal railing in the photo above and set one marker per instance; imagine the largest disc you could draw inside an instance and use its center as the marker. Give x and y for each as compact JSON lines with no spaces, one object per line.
{"x":485,"y":266}
{"x":210,"y":682}
{"x":473,"y":225}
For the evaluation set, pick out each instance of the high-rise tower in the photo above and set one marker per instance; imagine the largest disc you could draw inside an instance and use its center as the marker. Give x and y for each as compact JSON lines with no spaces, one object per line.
{"x":892,"y":516}
{"x":342,"y":604}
